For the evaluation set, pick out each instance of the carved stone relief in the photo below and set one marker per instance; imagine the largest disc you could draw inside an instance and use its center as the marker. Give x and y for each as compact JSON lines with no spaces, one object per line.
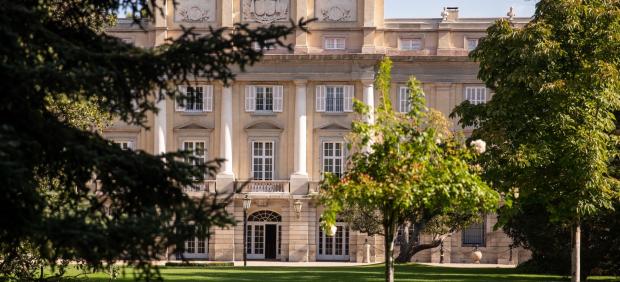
{"x":336,"y":10}
{"x":194,"y":11}
{"x":265,"y":11}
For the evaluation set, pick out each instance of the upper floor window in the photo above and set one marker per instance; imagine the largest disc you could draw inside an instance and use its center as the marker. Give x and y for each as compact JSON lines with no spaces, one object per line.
{"x":472,"y":43}
{"x":334,"y":98}
{"x":335,"y":43}
{"x":333,"y":157}
{"x":125,"y":144}
{"x":476,"y":95}
{"x":262,"y":160}
{"x":473,"y":235}
{"x":197,"y":99}
{"x":261,"y":98}
{"x":410,"y":44}
{"x":197,"y":150}
{"x":404,"y":99}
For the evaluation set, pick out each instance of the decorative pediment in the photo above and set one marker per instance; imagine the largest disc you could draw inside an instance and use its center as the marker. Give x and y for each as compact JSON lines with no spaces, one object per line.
{"x":194,"y":11}
{"x":192,"y":126}
{"x":263,"y":125}
{"x":336,"y":10}
{"x":265,"y":11}
{"x":333,"y":126}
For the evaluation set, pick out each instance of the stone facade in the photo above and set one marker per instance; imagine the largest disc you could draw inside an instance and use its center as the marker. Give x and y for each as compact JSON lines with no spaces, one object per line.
{"x":282,"y":123}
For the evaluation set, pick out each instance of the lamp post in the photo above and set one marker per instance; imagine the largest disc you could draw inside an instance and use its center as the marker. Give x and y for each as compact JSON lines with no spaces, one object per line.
{"x":297,"y":206}
{"x":247,"y":202}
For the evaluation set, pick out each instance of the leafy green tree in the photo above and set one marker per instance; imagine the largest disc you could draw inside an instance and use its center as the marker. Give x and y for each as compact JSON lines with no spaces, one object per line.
{"x":403,"y":165}
{"x":49,"y":165}
{"x":556,"y":82}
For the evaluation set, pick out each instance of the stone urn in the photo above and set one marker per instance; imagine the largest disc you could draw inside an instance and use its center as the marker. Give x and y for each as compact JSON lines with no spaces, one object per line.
{"x":476,"y":255}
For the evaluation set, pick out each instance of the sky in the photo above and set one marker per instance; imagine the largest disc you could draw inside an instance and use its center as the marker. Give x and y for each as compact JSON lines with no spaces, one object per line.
{"x":467,"y":8}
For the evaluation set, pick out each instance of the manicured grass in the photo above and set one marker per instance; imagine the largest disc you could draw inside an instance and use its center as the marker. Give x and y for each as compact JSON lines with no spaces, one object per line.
{"x":410,"y":272}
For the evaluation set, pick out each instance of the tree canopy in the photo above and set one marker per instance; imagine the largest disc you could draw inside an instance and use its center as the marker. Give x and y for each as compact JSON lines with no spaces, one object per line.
{"x":556,"y":84}
{"x":404,"y":166}
{"x":70,"y":193}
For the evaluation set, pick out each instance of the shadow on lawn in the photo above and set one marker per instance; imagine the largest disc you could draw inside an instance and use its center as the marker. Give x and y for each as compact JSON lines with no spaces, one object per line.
{"x":413,"y":273}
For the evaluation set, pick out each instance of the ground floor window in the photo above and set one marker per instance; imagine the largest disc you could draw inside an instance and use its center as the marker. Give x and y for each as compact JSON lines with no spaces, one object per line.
{"x":196,"y":248}
{"x":473,"y":235}
{"x":334,"y":247}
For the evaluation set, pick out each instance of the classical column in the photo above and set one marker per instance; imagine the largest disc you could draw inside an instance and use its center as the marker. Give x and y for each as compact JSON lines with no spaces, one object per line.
{"x":299,"y":178}
{"x":226,"y":131}
{"x":160,"y":128}
{"x":369,"y":99}
{"x":225,"y":179}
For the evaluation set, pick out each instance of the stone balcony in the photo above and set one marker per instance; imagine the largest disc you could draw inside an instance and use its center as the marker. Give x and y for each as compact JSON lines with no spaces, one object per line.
{"x":201,"y":188}
{"x":263,"y":186}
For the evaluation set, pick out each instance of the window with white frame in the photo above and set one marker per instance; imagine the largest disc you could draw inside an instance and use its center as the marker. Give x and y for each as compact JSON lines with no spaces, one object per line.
{"x":410,"y":44}
{"x":262,"y":160}
{"x":476,"y":95}
{"x":196,"y":246}
{"x":404,"y":99}
{"x":473,"y":235}
{"x":196,"y":99}
{"x":125,"y":144}
{"x":197,"y":150}
{"x":472,"y":43}
{"x":334,"y":98}
{"x":333,"y":157}
{"x":334,"y":43}
{"x":264,"y":98}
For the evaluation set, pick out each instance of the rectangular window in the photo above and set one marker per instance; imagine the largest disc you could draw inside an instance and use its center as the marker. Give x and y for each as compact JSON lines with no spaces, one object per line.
{"x":411,"y":44}
{"x":264,"y":98}
{"x":196,"y":99}
{"x":334,"y":43}
{"x":197,"y":149}
{"x":476,"y":95}
{"x":190,"y":246}
{"x":334,"y":99}
{"x":262,"y":160}
{"x":472,"y":43}
{"x":404,"y":99}
{"x":333,"y":157}
{"x":125,"y":145}
{"x":473,"y":235}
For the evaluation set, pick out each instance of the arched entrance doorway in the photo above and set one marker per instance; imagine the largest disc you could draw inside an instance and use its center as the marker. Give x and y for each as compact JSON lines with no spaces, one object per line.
{"x":264,"y":235}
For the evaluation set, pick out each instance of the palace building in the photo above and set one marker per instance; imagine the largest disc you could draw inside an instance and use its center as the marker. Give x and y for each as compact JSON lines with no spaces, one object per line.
{"x":282,"y":123}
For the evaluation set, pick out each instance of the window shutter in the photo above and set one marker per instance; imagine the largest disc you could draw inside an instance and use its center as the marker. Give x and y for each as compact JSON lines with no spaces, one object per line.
{"x":207,"y":98}
{"x":177,"y":100}
{"x":278,"y":98}
{"x":349,"y":91}
{"x":250,"y":98}
{"x":320,"y":98}
{"x":403,"y":100}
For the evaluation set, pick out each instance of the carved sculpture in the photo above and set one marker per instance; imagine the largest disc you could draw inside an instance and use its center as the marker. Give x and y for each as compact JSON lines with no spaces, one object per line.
{"x":194,"y":11}
{"x":265,"y":11}
{"x":336,"y":10}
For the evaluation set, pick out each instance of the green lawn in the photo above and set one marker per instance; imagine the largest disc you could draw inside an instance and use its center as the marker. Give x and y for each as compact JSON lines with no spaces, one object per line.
{"x":353,"y":273}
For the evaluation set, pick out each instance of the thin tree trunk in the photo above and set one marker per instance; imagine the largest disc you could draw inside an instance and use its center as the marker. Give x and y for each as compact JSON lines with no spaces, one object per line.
{"x":389,"y":250}
{"x":576,"y":254}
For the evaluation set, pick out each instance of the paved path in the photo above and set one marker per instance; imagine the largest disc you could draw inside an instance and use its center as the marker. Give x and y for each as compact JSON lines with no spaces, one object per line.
{"x":301,"y":264}
{"x":469,"y":265}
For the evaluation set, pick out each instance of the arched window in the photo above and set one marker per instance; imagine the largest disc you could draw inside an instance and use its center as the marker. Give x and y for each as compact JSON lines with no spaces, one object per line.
{"x":265,"y":216}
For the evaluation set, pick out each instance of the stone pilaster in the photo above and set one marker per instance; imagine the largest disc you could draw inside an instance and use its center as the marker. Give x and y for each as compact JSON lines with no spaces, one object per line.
{"x":299,"y":179}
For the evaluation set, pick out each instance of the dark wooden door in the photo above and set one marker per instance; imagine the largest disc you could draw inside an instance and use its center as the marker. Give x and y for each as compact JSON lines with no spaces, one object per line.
{"x":270,"y":241}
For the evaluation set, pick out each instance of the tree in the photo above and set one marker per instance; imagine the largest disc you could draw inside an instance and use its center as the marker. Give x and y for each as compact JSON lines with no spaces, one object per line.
{"x":49,"y":166}
{"x":403,"y":165}
{"x":556,"y":85}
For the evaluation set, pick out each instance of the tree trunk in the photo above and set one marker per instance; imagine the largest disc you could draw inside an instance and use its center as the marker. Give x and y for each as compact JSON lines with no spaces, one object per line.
{"x":389,"y":251}
{"x":576,"y":254}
